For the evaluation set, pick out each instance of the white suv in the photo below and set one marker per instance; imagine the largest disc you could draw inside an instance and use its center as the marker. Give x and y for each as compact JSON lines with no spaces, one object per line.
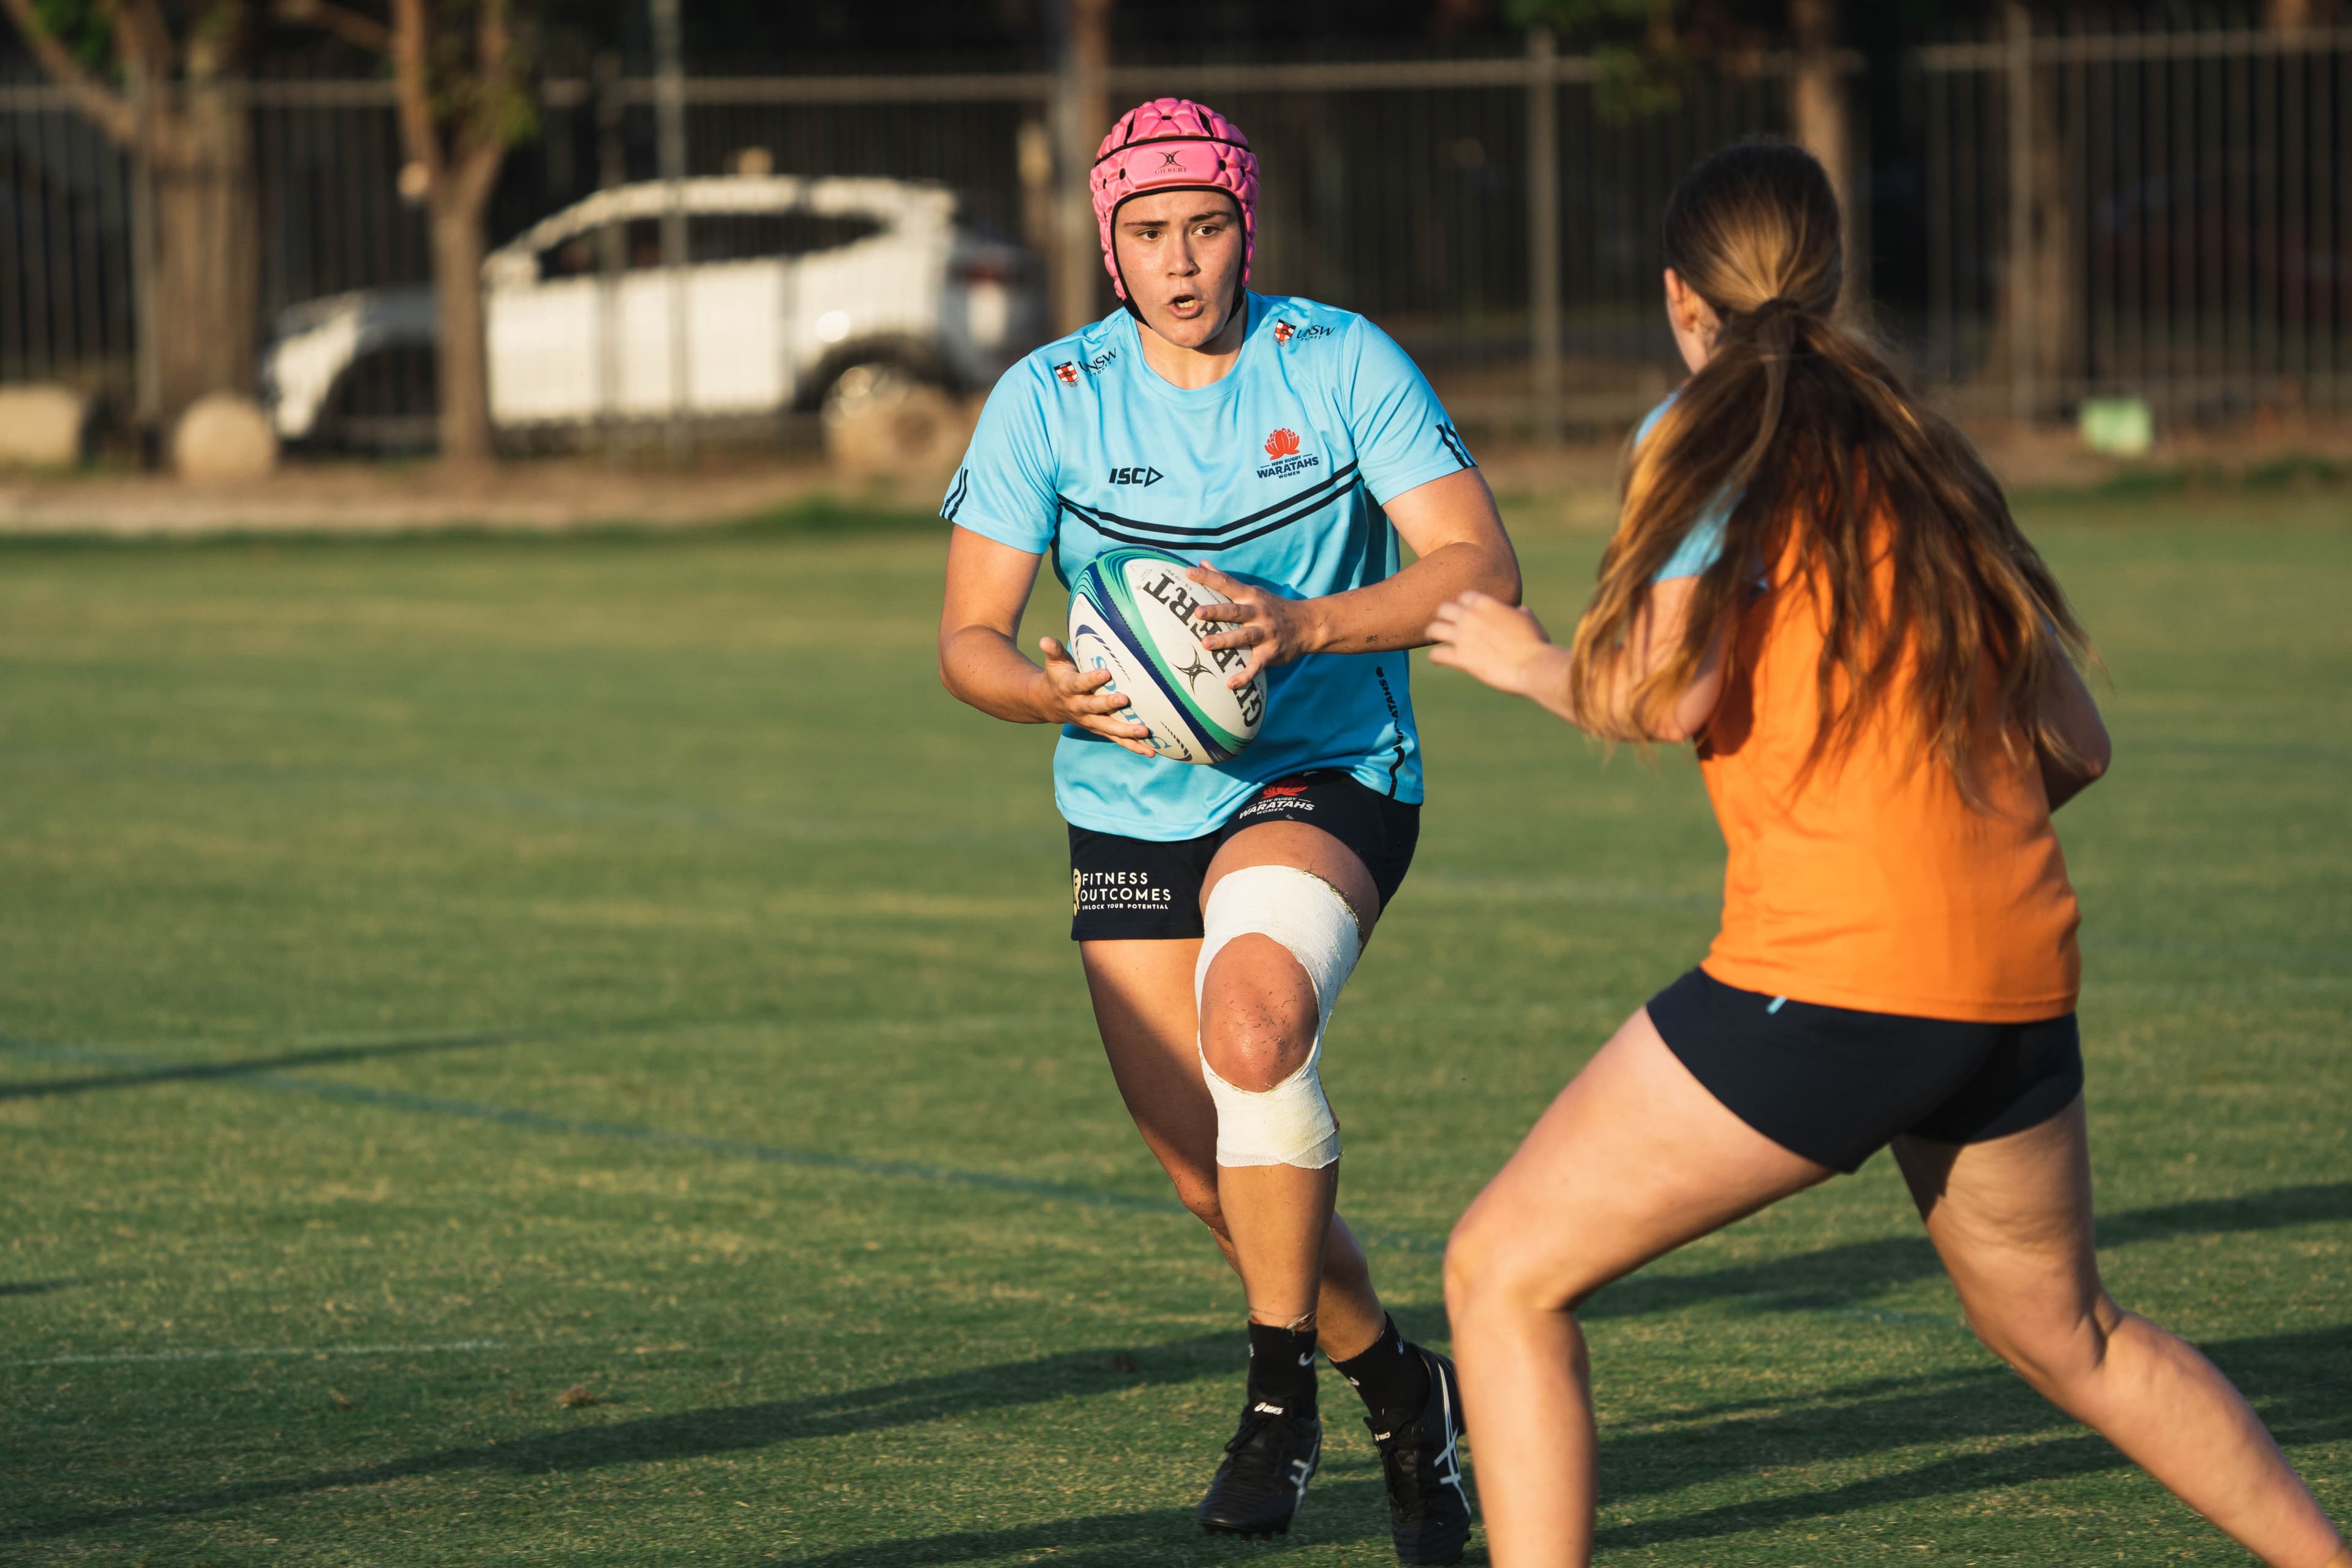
{"x":791,"y":283}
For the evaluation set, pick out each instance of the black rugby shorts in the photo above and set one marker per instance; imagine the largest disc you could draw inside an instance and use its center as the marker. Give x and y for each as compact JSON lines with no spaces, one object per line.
{"x":1837,"y":1086}
{"x":1126,"y":889}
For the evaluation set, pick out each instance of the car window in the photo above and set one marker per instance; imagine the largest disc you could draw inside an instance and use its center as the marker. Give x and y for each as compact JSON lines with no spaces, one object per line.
{"x":572,"y":258}
{"x":747,"y":236}
{"x":712,"y":237}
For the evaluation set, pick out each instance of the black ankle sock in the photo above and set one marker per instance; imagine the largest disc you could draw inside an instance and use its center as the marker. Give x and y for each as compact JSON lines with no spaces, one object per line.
{"x":1391,"y":1376}
{"x":1282,"y":1368}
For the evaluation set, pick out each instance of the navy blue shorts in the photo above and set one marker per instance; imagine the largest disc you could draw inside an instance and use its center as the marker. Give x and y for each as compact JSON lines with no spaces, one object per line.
{"x":1129,"y":889}
{"x":1837,"y":1086}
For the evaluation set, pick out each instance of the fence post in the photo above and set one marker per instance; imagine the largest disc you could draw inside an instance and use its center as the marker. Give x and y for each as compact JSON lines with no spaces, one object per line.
{"x":2018,"y":73}
{"x":670,"y":135}
{"x":1081,"y":114}
{"x":1543,"y":230}
{"x":611,"y":174}
{"x":147,"y":369}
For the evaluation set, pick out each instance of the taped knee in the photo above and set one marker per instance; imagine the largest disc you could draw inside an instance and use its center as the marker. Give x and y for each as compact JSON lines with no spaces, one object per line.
{"x":1291,"y":1123}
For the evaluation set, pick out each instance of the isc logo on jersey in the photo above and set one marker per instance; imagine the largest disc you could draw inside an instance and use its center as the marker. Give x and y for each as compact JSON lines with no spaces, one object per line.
{"x":1134,"y":612}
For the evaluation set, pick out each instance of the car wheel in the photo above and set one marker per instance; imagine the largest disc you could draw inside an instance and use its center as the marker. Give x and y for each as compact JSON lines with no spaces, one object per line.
{"x":881,"y":419}
{"x":386,"y":402}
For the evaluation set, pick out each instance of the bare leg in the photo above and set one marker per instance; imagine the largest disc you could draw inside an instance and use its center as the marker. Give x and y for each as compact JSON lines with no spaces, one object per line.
{"x":2011,"y":1220}
{"x":1258,"y":1018}
{"x":1143,"y":1005}
{"x":1634,"y":1159}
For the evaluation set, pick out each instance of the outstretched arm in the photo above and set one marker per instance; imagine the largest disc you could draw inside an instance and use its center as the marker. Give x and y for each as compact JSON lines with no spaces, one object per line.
{"x":983,"y":664}
{"x":1509,"y":651}
{"x":1457,"y":539}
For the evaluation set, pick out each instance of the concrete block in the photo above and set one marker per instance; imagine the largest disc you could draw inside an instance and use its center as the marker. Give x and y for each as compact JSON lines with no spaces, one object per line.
{"x":223,"y":436}
{"x":41,"y":426}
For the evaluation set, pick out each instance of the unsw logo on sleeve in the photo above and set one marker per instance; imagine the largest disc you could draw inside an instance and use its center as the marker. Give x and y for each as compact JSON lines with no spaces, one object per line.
{"x":1282,"y":448}
{"x":1067,"y":373}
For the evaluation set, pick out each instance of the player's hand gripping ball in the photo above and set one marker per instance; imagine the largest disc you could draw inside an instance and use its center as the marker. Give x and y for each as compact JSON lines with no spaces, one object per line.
{"x":1135,"y":614}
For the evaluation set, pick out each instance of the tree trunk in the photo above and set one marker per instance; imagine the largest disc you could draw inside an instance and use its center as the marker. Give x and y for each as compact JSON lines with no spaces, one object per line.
{"x":207,"y":268}
{"x":2049,"y":309}
{"x":456,"y":217}
{"x":2057,"y":298}
{"x":1082,"y":116}
{"x":1817,"y":109}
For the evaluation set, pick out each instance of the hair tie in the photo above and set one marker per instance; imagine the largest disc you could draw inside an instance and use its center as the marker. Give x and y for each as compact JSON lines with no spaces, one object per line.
{"x":1778,"y":305}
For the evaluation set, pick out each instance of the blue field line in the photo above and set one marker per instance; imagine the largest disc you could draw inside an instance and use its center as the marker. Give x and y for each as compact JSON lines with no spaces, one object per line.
{"x":721,"y":1148}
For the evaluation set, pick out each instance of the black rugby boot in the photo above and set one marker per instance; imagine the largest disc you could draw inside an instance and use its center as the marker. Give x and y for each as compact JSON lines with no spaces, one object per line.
{"x":1421,"y":1460}
{"x":1263,"y":1478}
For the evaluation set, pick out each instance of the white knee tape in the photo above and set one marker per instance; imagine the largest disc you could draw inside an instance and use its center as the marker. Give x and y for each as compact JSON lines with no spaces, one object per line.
{"x":1291,"y":1123}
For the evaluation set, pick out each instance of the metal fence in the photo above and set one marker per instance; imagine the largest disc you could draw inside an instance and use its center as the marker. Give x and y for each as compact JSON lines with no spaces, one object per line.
{"x":2133,"y":212}
{"x":2161,"y":214}
{"x":1413,"y":190}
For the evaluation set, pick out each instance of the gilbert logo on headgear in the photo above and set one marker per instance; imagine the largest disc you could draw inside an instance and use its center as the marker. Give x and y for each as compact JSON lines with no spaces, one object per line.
{"x":1172,"y":144}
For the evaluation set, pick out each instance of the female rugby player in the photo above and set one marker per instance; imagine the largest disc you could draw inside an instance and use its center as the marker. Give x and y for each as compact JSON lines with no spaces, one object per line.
{"x":1286,"y":446}
{"x":1878,"y":670}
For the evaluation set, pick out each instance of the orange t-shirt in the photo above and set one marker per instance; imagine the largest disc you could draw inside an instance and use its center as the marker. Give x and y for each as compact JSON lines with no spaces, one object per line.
{"x":1874,"y":885}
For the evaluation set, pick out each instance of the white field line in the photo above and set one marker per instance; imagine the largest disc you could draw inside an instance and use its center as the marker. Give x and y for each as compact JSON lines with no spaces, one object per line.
{"x":117,"y":1358}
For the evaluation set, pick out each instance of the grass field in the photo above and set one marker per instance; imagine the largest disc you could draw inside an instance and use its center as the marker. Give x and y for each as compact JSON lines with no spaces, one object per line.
{"x":567,"y":1052}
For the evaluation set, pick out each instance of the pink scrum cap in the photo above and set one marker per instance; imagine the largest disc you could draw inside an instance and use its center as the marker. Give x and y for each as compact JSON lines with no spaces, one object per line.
{"x":1173,"y":144}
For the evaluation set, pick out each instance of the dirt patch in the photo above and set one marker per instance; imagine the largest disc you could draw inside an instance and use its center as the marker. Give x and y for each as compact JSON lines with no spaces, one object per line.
{"x":1572,"y":486}
{"x":549,"y":493}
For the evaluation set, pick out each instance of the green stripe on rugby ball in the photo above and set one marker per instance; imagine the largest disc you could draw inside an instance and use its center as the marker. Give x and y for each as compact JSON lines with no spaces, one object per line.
{"x":1148,"y":619}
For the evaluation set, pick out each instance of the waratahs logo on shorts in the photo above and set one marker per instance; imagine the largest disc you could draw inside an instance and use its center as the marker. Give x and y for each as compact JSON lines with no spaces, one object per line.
{"x":1281,"y":447}
{"x":1280,"y":798}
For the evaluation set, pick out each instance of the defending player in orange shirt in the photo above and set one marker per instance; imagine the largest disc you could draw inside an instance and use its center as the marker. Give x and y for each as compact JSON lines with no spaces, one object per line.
{"x":1818,"y":580}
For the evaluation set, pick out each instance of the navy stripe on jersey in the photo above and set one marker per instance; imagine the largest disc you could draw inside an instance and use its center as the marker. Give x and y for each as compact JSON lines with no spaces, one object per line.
{"x":1452,"y":439}
{"x":1283,"y":513}
{"x":956,"y":492}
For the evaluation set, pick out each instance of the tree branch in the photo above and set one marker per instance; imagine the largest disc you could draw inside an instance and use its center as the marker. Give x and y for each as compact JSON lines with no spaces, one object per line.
{"x":412,"y":71}
{"x":364,"y":32}
{"x":111,"y":111}
{"x":144,"y":38}
{"x":492,"y":42}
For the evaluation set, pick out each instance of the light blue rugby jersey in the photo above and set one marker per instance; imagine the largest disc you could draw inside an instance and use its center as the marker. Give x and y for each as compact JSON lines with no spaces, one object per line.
{"x":1702,"y":545}
{"x":1274,"y":474}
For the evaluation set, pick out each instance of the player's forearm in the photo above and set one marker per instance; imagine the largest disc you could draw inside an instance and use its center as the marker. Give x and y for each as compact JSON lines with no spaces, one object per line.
{"x":984,"y":668}
{"x":1394,"y":614}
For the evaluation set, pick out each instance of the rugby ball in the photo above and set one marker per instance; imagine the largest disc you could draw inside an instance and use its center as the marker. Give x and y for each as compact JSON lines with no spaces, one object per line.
{"x":1134,"y":612}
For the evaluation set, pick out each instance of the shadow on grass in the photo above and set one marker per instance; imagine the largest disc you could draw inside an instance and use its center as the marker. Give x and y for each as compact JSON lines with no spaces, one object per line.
{"x":35,"y":1088}
{"x":2302,"y":1382}
{"x":35,"y":1286}
{"x":1335,"y":1511}
{"x":731,"y":1428}
{"x":1849,"y":1275}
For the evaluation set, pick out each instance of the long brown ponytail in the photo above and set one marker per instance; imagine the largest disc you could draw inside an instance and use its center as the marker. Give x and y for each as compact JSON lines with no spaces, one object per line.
{"x":1802,"y":418}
